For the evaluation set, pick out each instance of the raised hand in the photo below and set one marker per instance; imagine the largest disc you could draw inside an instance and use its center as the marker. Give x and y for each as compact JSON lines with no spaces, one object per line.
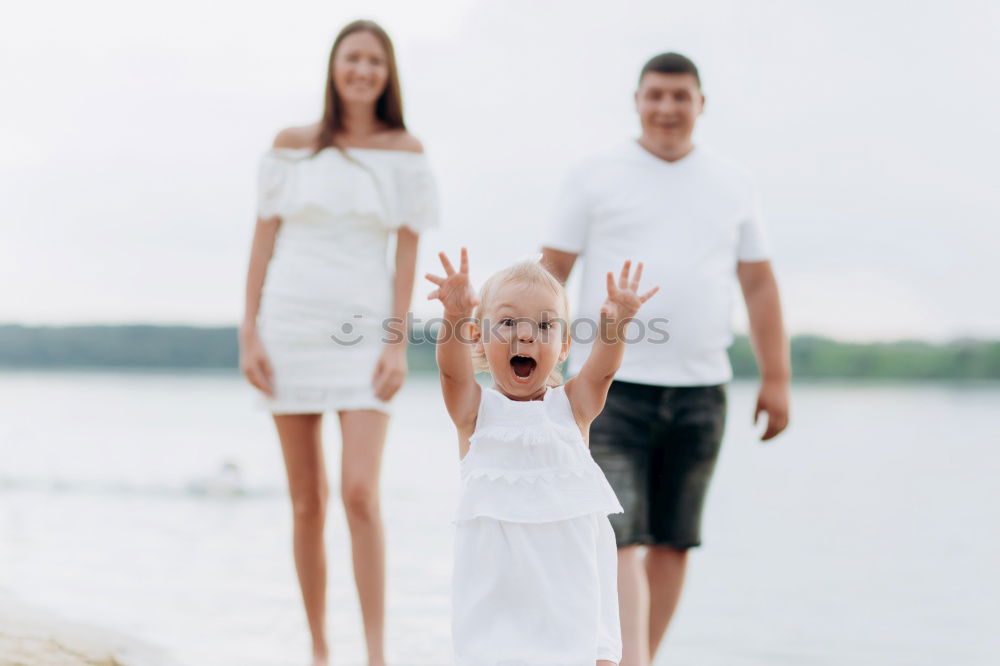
{"x":589,"y":389}
{"x":623,"y":299}
{"x":454,"y":290}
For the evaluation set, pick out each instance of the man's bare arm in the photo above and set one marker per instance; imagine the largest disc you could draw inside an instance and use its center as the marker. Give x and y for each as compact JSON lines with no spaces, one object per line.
{"x":559,"y":263}
{"x":770,"y":343}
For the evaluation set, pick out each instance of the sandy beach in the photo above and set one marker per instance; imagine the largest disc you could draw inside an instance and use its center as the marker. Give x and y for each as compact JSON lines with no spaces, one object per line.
{"x":32,"y":637}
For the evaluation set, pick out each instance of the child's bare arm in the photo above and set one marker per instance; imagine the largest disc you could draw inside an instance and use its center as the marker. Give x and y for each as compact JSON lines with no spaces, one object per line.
{"x":458,"y":380}
{"x":588,"y":390}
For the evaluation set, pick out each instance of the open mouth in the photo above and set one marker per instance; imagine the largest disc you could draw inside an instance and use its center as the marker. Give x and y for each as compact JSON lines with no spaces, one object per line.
{"x":523,"y":366}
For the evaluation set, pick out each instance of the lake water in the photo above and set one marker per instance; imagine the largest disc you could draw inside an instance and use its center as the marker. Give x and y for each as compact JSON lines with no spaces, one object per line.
{"x":868,"y":534}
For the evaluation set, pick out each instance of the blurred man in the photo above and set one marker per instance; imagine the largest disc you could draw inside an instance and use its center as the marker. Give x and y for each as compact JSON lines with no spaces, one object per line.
{"x":692,"y":218}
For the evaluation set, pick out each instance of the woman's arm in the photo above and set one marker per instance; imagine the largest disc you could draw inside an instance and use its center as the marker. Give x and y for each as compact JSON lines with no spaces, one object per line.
{"x":589,"y":389}
{"x":454,"y":358}
{"x":390,"y":371}
{"x":253,"y":360}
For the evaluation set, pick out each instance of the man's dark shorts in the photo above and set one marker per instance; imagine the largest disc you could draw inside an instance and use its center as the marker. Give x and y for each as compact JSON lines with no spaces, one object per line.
{"x":658,"y":446}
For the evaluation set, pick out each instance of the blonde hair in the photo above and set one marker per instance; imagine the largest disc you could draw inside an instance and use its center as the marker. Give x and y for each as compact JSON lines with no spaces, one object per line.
{"x":525,"y":272}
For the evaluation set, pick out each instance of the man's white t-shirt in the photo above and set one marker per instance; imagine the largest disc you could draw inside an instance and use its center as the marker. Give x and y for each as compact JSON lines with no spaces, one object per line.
{"x":689,"y":222}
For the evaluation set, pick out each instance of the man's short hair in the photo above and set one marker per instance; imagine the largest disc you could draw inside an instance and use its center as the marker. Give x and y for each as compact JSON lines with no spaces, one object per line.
{"x":671,"y":63}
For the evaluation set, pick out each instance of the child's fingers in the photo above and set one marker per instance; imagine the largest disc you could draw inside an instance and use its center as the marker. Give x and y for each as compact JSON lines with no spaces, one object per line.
{"x":434,"y":294}
{"x":463,"y":266}
{"x":435,"y":279}
{"x":634,"y":286}
{"x":623,"y":278}
{"x":611,"y":283}
{"x":448,"y":268}
{"x":649,"y":294}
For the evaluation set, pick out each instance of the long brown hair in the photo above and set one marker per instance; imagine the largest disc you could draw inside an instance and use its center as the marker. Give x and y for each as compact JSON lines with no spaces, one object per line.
{"x":388,"y":107}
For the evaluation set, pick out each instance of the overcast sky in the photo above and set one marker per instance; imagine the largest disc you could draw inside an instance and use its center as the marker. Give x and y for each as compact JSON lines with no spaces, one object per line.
{"x":130,"y":132}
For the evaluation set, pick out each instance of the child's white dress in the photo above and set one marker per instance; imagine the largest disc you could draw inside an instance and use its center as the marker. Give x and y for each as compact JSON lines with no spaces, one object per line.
{"x":535,"y":579}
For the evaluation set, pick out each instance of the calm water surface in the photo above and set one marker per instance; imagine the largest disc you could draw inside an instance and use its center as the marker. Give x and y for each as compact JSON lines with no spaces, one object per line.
{"x":866,"y":535}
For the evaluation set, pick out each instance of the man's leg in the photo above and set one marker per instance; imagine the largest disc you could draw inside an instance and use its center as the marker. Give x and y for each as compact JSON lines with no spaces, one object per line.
{"x":620,"y":442}
{"x":681,"y":467}
{"x":665,"y":567}
{"x":633,"y":606}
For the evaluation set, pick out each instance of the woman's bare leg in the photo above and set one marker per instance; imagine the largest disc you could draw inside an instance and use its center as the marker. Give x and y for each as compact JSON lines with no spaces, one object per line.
{"x":364,"y":438}
{"x":302,"y":448}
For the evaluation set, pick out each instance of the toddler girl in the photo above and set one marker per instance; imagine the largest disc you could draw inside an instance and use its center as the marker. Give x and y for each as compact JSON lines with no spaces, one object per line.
{"x":535,"y":579}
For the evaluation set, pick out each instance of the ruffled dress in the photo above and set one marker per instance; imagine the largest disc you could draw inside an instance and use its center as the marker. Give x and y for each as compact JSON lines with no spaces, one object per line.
{"x":535,"y":578}
{"x":328,"y":287}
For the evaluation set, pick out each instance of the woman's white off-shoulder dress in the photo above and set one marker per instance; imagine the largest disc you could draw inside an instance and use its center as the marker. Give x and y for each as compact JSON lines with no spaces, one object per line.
{"x":328,"y":289}
{"x":535,"y":578}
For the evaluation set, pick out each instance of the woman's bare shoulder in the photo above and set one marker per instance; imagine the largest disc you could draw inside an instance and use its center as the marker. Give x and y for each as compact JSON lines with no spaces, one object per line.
{"x":297,"y":137}
{"x":402,"y":140}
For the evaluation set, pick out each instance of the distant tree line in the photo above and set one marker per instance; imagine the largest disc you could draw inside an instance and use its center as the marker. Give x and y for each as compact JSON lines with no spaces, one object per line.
{"x":191,"y":347}
{"x":118,"y":346}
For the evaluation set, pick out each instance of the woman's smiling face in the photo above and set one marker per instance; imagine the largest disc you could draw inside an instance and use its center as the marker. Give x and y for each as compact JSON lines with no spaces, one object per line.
{"x":523,"y":334}
{"x":360,"y":68}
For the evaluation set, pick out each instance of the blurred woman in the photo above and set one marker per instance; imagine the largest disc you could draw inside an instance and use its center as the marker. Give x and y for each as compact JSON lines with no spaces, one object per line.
{"x":324,"y":329}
